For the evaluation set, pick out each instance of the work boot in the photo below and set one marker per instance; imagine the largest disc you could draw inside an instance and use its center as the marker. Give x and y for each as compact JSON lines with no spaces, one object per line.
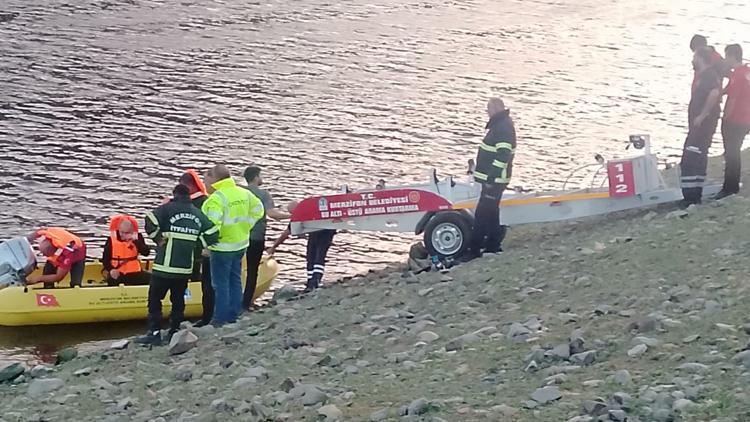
{"x":152,"y":338}
{"x":724,"y":194}
{"x":201,"y":323}
{"x":170,"y":334}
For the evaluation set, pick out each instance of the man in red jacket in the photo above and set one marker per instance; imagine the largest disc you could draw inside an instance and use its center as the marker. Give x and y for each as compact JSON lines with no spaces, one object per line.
{"x":735,"y":124}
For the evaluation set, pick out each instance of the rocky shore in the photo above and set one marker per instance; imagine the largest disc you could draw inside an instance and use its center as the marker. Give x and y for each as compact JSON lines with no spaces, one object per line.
{"x":636,"y":317}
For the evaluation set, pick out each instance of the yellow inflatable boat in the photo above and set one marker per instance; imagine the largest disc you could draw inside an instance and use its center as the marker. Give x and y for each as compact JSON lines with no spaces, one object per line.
{"x":97,"y":302}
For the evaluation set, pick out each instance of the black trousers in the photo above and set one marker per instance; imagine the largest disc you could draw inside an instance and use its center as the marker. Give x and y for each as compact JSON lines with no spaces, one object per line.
{"x":76,"y":273}
{"x":156,"y":291}
{"x":488,"y":234}
{"x":695,"y":160}
{"x":141,"y":278}
{"x":318,"y":244}
{"x":206,"y":289}
{"x":253,"y":256}
{"x":733,"y":134}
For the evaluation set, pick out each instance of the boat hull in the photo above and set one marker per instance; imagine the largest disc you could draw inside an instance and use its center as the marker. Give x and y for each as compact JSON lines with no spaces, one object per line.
{"x":96,"y":302}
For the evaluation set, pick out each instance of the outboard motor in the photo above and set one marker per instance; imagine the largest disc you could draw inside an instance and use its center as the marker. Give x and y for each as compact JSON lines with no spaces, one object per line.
{"x":17,"y":260}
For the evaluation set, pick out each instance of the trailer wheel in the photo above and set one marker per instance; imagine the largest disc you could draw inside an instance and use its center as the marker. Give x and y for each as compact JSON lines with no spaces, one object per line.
{"x":447,"y":235}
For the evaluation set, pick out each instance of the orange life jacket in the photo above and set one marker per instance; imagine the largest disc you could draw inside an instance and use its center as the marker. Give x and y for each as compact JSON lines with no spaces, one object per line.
{"x":61,"y":239}
{"x":124,"y":253}
{"x":199,"y":183}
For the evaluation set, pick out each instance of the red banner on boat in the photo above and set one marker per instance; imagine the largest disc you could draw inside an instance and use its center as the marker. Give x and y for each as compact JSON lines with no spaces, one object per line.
{"x":621,"y":180}
{"x":365,"y":204}
{"x":46,"y":300}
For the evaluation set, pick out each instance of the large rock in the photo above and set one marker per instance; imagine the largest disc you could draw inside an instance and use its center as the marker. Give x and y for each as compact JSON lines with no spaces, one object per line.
{"x":379,"y":415}
{"x":11,"y":370}
{"x":309,"y":395}
{"x":546,"y":395}
{"x":419,"y":251}
{"x":66,"y":355}
{"x":418,"y":407}
{"x":645,"y":325}
{"x":182,"y":341}
{"x":743,"y":358}
{"x":637,"y":350}
{"x":518,"y":332}
{"x":285,"y":293}
{"x":576,"y":342}
{"x":622,"y":377}
{"x":258,"y":372}
{"x":584,"y":359}
{"x":428,"y":336}
{"x":595,"y":407}
{"x":38,"y":388}
{"x":694,"y":367}
{"x":618,"y":415}
{"x":39,"y":371}
{"x":331,"y":412}
{"x":221,"y":405}
{"x":682,"y":405}
{"x":120,"y":345}
{"x":561,"y":351}
{"x":459,"y":343}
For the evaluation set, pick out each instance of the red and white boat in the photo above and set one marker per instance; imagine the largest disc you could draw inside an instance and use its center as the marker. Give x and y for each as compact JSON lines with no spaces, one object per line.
{"x":442,"y":210}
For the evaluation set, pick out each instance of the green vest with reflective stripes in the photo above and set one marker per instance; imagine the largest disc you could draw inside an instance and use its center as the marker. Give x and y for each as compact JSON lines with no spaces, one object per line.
{"x":235,"y":211}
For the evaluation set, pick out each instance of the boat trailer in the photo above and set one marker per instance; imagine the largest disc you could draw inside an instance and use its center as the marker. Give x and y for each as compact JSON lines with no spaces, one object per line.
{"x":443,"y":209}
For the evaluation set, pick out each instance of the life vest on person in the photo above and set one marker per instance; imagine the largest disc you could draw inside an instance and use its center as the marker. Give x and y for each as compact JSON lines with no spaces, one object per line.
{"x":198,"y":183}
{"x":62,"y":240}
{"x":124,"y":252}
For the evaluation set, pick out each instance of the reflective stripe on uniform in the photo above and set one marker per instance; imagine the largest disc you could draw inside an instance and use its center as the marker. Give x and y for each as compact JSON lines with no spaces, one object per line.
{"x":225,"y":203}
{"x":692,"y":181}
{"x":237,"y":220}
{"x":211,"y":231}
{"x":504,"y":145}
{"x":230,"y":247}
{"x":480,"y":176}
{"x":490,"y":148}
{"x":168,"y":253}
{"x":500,"y":164}
{"x":171,"y":270}
{"x":151,"y":217}
{"x":694,"y":149}
{"x":214,"y":215}
{"x":181,"y":236}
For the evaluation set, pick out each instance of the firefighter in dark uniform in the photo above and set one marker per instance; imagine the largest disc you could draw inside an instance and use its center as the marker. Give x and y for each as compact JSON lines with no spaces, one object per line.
{"x":703,"y":117}
{"x":175,"y":227}
{"x":494,"y":165}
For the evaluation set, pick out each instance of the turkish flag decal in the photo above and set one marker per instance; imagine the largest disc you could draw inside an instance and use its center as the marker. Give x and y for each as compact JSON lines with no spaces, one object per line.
{"x":46,"y":300}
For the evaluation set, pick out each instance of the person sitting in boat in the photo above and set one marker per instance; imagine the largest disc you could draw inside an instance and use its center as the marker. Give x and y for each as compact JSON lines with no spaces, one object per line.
{"x":120,"y":263}
{"x":66,"y":254}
